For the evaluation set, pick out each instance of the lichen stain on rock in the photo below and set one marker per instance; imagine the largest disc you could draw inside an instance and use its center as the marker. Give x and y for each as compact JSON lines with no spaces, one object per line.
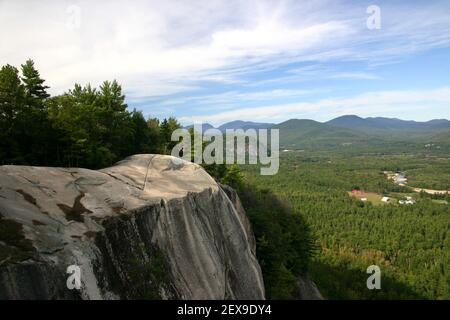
{"x":75,"y":212}
{"x":28,"y":197}
{"x":14,"y":246}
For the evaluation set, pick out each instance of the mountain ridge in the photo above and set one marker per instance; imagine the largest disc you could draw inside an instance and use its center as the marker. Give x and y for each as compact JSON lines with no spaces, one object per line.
{"x":386,"y":123}
{"x":352,"y":130}
{"x":344,"y":119}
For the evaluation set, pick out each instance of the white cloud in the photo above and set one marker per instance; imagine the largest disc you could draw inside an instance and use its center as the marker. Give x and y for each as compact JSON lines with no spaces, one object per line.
{"x":156,"y":47}
{"x":143,"y":44}
{"x":355,"y":75}
{"x":233,"y":98}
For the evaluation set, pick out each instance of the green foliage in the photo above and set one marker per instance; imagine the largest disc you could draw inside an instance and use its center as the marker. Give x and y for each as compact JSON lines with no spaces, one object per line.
{"x":233,"y":177}
{"x":12,"y":96}
{"x":218,"y":171}
{"x":167,"y":127}
{"x":35,"y":90}
{"x":148,"y":278}
{"x":284,"y":245}
{"x":283,"y":242}
{"x":154,"y":133}
{"x":84,"y":127}
{"x":410,"y":243}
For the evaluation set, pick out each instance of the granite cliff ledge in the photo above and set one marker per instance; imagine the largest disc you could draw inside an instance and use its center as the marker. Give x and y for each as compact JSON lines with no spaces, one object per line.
{"x":152,"y":226}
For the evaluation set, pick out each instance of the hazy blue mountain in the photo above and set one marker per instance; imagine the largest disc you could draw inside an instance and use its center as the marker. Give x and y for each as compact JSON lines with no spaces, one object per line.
{"x":439,"y":123}
{"x":353,"y":130}
{"x":239,"y":124}
{"x":382,"y":124}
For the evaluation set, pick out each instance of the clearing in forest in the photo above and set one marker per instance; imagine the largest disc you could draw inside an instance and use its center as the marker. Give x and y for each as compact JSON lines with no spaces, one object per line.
{"x":372,"y":197}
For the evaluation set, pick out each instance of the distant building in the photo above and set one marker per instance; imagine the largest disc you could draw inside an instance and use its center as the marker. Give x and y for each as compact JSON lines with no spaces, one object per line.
{"x":400,"y":178}
{"x":386,"y":199}
{"x":363,"y":199}
{"x":409,"y":200}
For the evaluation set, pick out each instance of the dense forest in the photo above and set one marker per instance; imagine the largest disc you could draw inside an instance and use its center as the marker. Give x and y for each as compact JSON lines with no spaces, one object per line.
{"x":93,"y":128}
{"x":410,"y":243}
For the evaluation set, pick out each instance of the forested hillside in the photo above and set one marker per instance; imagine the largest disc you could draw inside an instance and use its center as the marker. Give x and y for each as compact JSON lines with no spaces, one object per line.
{"x":410,"y":243}
{"x":373,"y":134}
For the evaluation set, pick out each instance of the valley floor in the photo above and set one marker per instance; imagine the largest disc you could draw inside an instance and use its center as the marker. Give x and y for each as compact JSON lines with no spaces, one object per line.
{"x":410,"y":243}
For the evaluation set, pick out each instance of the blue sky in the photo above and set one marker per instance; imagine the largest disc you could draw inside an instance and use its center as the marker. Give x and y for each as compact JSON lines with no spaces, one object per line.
{"x":218,"y":61}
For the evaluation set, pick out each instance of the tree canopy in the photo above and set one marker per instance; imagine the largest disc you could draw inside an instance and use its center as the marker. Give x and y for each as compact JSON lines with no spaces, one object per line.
{"x":85,"y":126}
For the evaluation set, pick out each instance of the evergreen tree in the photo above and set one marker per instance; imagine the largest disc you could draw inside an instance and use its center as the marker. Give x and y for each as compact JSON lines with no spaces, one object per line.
{"x":141,"y":134}
{"x":12,"y":98}
{"x":36,"y":134}
{"x":167,"y":127}
{"x":35,"y":89}
{"x":154,"y":129}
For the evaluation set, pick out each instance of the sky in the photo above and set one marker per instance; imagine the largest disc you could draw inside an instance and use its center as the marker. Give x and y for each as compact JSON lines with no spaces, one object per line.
{"x":267,"y":61}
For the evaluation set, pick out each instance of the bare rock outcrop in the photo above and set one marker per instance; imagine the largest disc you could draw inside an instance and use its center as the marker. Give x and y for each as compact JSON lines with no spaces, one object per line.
{"x":151,"y":226}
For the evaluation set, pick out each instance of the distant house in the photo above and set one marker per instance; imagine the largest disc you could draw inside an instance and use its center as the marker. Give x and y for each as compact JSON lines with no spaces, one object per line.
{"x":386,"y":199}
{"x":400,"y":178}
{"x":356,"y":191}
{"x":409,"y":200}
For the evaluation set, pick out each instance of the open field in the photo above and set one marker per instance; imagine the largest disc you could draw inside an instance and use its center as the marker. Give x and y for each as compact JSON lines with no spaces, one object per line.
{"x":373,"y":197}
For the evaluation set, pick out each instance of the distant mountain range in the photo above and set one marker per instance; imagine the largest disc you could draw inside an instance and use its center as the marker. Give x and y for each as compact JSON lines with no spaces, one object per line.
{"x":354,"y":130}
{"x":237,"y":124}
{"x":350,"y":130}
{"x":379,"y":123}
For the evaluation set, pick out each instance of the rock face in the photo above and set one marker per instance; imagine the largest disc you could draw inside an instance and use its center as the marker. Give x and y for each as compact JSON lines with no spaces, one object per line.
{"x":151,"y":226}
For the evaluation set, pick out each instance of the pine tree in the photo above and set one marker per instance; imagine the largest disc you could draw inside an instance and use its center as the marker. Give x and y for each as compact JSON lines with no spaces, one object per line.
{"x":35,"y":89}
{"x":11,"y":94}
{"x":11,"y":107}
{"x":168,"y":126}
{"x":36,"y":133}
